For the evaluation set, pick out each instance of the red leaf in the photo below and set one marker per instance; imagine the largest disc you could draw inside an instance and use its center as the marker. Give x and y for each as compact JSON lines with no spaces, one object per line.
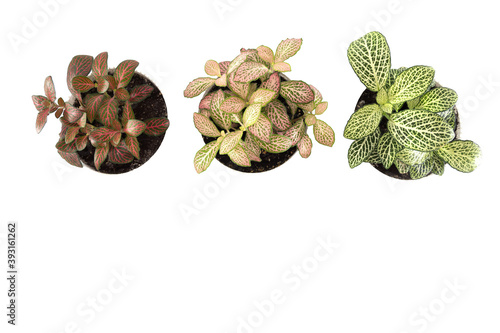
{"x":59,"y":112}
{"x":122,"y":94}
{"x":100,"y":155}
{"x":81,"y":142}
{"x":50,"y":90}
{"x":133,"y":146}
{"x":108,"y":111}
{"x":92,"y":103}
{"x":100,"y":65}
{"x":156,"y":126}
{"x":102,"y":85}
{"x":82,"y":84}
{"x":112,"y":82}
{"x":127,"y":113}
{"x":66,"y":147}
{"x":41,"y":102}
{"x":124,"y":72}
{"x":102,"y":134}
{"x":135,"y":127}
{"x":71,"y":158}
{"x":71,"y":133}
{"x":79,"y":65}
{"x":115,"y":140}
{"x":72,"y":114}
{"x":120,"y":154}
{"x":41,"y":120}
{"x":140,"y":93}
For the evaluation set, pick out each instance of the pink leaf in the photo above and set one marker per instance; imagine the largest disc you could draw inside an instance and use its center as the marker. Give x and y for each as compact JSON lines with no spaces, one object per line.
{"x":273,"y":83}
{"x":282,"y":67}
{"x":296,"y":132}
{"x":305,"y":146}
{"x":221,"y":118}
{"x":198,"y":86}
{"x":50,"y":90}
{"x":287,"y":48}
{"x":223,"y":67}
{"x":266,"y":54}
{"x":241,"y":89}
{"x":239,"y":156}
{"x":297,"y":92}
{"x":277,"y":113}
{"x":262,"y":129}
{"x":205,"y":101}
{"x":212,"y":68}
{"x":205,"y":126}
{"x":323,"y":133}
{"x":262,"y":96}
{"x":250,"y":71}
{"x":233,"y":105}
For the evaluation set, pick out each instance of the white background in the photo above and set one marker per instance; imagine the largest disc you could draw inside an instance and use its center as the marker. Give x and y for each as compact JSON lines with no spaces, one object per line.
{"x":399,"y":242}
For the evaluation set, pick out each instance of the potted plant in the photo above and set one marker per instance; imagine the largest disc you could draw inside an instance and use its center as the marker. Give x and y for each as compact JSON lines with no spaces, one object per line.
{"x":115,"y":120}
{"x":251,"y":112}
{"x":405,"y":124}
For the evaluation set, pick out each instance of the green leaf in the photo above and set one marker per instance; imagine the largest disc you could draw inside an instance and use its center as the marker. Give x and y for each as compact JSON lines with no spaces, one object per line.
{"x":393,"y":74}
{"x":82,"y":84}
{"x":108,"y":111}
{"x":438,"y":100}
{"x":450,"y":117}
{"x":273,"y":83}
{"x":277,"y":144}
{"x":205,"y":156}
{"x":410,"y":84}
{"x":120,"y":154}
{"x":124,"y":72}
{"x":402,"y":168}
{"x":373,"y":158}
{"x":370,"y":58}
{"x":239,"y":156}
{"x":420,"y":130}
{"x":438,"y":162}
{"x":135,"y":127}
{"x":287,"y":49}
{"x":277,"y":114}
{"x":100,"y":155}
{"x":41,"y":103}
{"x":413,"y":157}
{"x":233,"y":105}
{"x":49,"y":89}
{"x":262,"y":96}
{"x":71,"y":133}
{"x":230,"y":141}
{"x":363,"y":122}
{"x":413,"y":103}
{"x":41,"y":120}
{"x":251,"y":115}
{"x":133,"y":146}
{"x":382,"y":97}
{"x":461,"y":155}
{"x":297,"y":92}
{"x":198,"y":86}
{"x":156,"y":126}
{"x":266,"y":54}
{"x":221,"y":118}
{"x":362,"y":148}
{"x":262,"y":129}
{"x":205,"y":126}
{"x":122,"y":94}
{"x":79,"y":65}
{"x":100,"y":65}
{"x":81,"y":142}
{"x":140,"y":93}
{"x":250,"y":71}
{"x":387,"y":149}
{"x":71,"y":158}
{"x":323,"y":133}
{"x":421,"y":170}
{"x":296,"y":132}
{"x":305,"y":146}
{"x":310,"y":120}
{"x":212,"y":68}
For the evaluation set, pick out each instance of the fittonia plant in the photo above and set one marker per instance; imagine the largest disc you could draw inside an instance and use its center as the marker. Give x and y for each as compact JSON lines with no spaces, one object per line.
{"x":104,"y":113}
{"x":418,"y":117}
{"x":249,"y":107}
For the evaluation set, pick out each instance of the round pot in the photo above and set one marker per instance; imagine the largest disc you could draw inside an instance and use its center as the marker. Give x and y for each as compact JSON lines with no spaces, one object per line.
{"x":370,"y":97}
{"x":151,"y":107}
{"x":269,"y":161}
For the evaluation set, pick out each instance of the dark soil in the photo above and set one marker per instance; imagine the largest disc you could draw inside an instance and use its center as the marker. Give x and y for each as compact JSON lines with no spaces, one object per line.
{"x":370,"y":97}
{"x":269,"y":160}
{"x":152,"y":107}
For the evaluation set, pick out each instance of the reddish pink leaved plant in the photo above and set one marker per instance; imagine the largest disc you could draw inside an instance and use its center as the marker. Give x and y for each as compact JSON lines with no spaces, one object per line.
{"x":102,"y":112}
{"x":249,"y":107}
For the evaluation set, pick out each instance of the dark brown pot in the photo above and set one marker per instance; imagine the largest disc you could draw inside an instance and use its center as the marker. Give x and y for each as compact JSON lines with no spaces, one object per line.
{"x":370,"y":97}
{"x":269,"y":161}
{"x":151,"y":107}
